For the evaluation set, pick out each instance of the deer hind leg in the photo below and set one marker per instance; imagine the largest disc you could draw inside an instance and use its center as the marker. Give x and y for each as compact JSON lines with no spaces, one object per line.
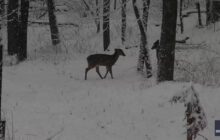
{"x":107,"y":70}
{"x":97,"y":70}
{"x":86,"y":71}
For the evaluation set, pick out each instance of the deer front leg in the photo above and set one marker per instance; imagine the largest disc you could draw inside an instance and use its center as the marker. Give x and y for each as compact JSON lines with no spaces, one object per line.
{"x":97,"y":70}
{"x":110,"y":70}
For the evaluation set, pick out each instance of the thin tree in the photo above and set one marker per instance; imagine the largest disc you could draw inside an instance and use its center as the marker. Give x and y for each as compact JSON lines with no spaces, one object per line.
{"x":166,"y":53}
{"x":115,"y":4}
{"x":22,"y":53}
{"x":199,"y":13}
{"x":143,"y":55}
{"x":123,"y":20}
{"x":97,"y":20}
{"x":1,"y":51}
{"x":12,"y":27}
{"x":106,"y":27}
{"x":181,"y":16}
{"x":96,"y":14}
{"x":53,"y":22}
{"x":208,"y":12}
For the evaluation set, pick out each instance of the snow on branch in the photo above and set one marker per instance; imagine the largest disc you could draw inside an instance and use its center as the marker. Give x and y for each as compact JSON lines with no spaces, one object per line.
{"x":195,"y":115}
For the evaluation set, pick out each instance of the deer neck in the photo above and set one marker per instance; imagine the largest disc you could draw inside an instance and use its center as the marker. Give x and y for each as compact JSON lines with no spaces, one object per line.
{"x":115,"y":56}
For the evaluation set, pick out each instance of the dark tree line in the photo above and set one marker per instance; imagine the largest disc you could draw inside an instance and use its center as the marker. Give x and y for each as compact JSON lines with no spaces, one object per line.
{"x":17,"y":26}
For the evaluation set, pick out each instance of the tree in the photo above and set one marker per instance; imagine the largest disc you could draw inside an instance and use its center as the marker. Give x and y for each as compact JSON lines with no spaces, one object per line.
{"x":2,"y":7}
{"x":115,"y":4}
{"x":106,"y":27}
{"x":199,"y":13}
{"x":53,"y":22}
{"x":12,"y":27}
{"x":143,"y":55}
{"x":208,"y":12}
{"x":166,"y":53}
{"x":1,"y":62}
{"x":97,"y":21}
{"x":22,"y":53}
{"x":181,"y":16}
{"x":123,"y":20}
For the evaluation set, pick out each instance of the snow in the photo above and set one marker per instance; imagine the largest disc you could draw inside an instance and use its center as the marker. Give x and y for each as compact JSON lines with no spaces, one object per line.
{"x":47,"y":98}
{"x":43,"y":100}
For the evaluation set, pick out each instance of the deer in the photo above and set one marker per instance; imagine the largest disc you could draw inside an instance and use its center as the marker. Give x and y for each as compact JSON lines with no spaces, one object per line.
{"x":96,"y":60}
{"x":156,"y":46}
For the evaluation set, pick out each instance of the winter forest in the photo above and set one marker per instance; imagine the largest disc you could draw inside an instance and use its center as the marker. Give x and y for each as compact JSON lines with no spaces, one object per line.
{"x":109,"y":69}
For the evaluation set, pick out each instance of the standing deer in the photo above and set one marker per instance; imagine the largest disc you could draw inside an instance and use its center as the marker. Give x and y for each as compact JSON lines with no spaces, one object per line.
{"x":96,"y":60}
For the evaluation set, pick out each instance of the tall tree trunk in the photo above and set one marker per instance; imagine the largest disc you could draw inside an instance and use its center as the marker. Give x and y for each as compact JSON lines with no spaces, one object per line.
{"x":143,"y":55}
{"x":1,"y":62}
{"x":106,"y":27}
{"x":199,"y":13}
{"x":22,"y":54}
{"x":53,"y":22}
{"x":181,"y":16}
{"x":166,"y":53}
{"x":123,"y":20}
{"x":2,"y":7}
{"x":146,"y":7}
{"x":12,"y":27}
{"x":208,"y":12}
{"x":115,"y":4}
{"x":97,"y":21}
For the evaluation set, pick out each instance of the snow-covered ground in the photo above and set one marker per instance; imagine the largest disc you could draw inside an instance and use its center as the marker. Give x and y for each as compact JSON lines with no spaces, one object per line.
{"x":47,"y":98}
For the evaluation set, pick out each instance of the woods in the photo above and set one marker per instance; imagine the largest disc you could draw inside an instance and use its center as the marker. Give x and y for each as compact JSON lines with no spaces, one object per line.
{"x":109,"y":69}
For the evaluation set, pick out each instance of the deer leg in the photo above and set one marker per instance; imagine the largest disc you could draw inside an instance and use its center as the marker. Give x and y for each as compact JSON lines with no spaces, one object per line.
{"x":97,"y":70}
{"x":86,"y":71}
{"x":110,"y":70}
{"x":107,"y":70}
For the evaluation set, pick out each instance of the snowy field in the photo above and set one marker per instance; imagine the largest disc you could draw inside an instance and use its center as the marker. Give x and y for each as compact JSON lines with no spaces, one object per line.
{"x":47,"y":98}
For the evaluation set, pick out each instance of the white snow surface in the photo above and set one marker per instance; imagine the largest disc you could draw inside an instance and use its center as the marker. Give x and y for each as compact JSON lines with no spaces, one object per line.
{"x":53,"y":101}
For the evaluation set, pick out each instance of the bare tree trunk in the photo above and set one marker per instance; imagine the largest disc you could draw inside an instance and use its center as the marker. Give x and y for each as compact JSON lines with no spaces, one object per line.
{"x":146,"y":7}
{"x":115,"y":4}
{"x":123,"y":16}
{"x":97,"y":21}
{"x":1,"y":62}
{"x":143,"y":55}
{"x":166,"y":53}
{"x":2,"y":7}
{"x":53,"y":22}
{"x":12,"y":27}
{"x":106,"y":26}
{"x":181,"y":16}
{"x":199,"y":13}
{"x":208,"y":16}
{"x":22,"y":53}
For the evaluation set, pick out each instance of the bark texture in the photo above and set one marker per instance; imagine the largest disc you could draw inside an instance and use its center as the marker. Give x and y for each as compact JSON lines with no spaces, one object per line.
{"x":166,"y":53}
{"x":106,"y":27}
{"x":143,"y":54}
{"x":23,"y":26}
{"x":123,"y":20}
{"x":53,"y":22}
